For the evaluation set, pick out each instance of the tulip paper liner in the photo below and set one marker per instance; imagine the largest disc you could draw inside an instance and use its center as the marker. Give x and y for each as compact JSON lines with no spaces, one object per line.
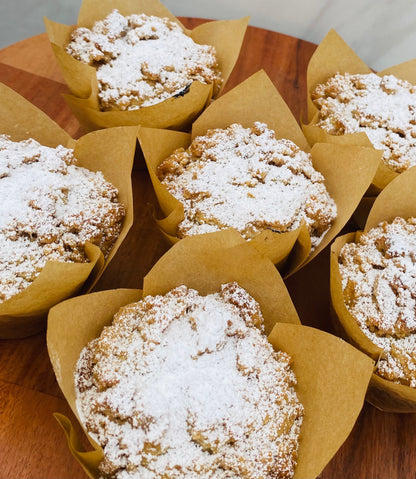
{"x":333,"y":56}
{"x":348,"y":170}
{"x":174,"y":113}
{"x":397,"y":199}
{"x":332,"y":375}
{"x":110,"y":151}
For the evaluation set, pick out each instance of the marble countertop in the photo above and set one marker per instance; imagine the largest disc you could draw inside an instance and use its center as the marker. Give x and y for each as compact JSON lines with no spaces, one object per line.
{"x":382,"y":32}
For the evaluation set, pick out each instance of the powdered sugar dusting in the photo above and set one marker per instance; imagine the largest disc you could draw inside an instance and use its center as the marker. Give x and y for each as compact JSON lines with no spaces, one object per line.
{"x":379,"y":283}
{"x":49,"y":208}
{"x":382,"y":107}
{"x":247,"y":179}
{"x":142,"y":60}
{"x":186,"y":386}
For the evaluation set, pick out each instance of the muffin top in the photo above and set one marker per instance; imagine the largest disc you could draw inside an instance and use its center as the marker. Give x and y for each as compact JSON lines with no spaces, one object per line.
{"x":49,"y":209}
{"x":379,"y":284}
{"x":183,"y":385}
{"x":382,"y":107}
{"x":142,"y":60}
{"x":247,"y":179}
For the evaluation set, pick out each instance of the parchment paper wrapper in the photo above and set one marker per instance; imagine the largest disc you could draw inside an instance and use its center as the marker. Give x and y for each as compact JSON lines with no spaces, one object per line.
{"x":332,"y":375}
{"x":333,"y":56}
{"x":397,"y":199}
{"x":110,"y":151}
{"x":348,"y":170}
{"x":174,"y":113}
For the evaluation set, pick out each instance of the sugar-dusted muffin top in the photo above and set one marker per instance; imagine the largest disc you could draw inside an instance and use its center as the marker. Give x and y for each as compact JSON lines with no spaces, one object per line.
{"x":142,"y":60}
{"x":379,"y":283}
{"x":49,"y":208}
{"x":247,"y":179}
{"x":183,"y":385}
{"x":382,"y":107}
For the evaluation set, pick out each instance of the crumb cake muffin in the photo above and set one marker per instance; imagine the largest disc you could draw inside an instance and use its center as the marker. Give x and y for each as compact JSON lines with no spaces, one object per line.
{"x":142,"y":60}
{"x":183,"y":385}
{"x":379,"y":285}
{"x":49,"y":208}
{"x":382,"y":107}
{"x":247,"y":179}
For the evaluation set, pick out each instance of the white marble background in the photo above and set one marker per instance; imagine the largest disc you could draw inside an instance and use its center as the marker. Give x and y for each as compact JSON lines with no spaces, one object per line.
{"x":382,"y":32}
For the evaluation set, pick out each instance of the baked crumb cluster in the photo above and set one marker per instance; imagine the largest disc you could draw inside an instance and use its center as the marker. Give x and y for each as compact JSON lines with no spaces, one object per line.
{"x":184,"y":385}
{"x":49,"y":208}
{"x":382,"y":107}
{"x":142,"y":60}
{"x":379,"y":281}
{"x":247,"y":179}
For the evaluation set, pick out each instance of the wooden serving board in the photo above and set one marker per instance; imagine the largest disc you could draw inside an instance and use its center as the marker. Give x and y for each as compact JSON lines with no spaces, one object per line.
{"x":32,"y":445}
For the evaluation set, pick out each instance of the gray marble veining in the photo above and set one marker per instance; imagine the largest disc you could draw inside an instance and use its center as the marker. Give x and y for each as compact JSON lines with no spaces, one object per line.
{"x":382,"y":32}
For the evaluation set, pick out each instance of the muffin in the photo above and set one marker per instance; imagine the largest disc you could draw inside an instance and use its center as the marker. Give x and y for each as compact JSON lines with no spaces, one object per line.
{"x":383,"y":107}
{"x":378,"y":274}
{"x":50,"y":208}
{"x":222,"y":273}
{"x":183,"y":385}
{"x":176,"y":84}
{"x":255,"y":112}
{"x":142,"y":60}
{"x":247,"y":179}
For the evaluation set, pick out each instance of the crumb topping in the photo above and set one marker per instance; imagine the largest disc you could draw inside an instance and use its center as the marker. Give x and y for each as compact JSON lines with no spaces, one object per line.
{"x":379,"y":283}
{"x":182,"y":385}
{"x":49,"y":208}
{"x":382,"y":107}
{"x":142,"y":60}
{"x":247,"y":179}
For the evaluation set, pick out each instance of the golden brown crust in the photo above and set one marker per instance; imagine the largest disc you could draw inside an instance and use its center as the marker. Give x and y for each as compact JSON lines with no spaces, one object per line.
{"x":382,"y":107}
{"x":142,"y":60}
{"x":247,"y":179}
{"x":187,"y":386}
{"x":49,"y":209}
{"x":379,"y":284}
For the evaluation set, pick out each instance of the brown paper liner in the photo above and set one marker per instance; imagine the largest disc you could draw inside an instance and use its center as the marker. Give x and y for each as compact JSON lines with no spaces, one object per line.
{"x":391,"y":397}
{"x":332,"y":375}
{"x":397,"y":199}
{"x":348,"y":170}
{"x":332,"y":382}
{"x":174,"y":113}
{"x":110,"y":151}
{"x":333,"y":56}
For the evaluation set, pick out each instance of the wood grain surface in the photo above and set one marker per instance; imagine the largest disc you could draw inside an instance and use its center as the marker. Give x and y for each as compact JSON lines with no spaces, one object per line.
{"x":381,"y":446}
